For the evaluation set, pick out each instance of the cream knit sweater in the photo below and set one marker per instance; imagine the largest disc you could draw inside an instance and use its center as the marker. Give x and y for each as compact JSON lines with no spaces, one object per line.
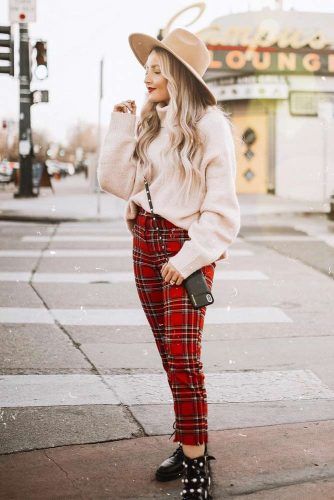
{"x":212,"y":220}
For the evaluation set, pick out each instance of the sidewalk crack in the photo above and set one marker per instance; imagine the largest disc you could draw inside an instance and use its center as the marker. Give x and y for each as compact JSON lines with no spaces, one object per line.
{"x":75,"y":486}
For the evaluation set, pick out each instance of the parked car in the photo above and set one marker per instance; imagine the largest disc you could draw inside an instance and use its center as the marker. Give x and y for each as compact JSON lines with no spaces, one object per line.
{"x":67,"y":167}
{"x":60,"y":168}
{"x":7,"y":171}
{"x":52,"y":167}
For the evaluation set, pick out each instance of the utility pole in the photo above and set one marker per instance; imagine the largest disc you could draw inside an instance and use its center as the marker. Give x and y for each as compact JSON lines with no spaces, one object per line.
{"x":97,"y":186}
{"x":24,"y":12}
{"x":25,"y":135}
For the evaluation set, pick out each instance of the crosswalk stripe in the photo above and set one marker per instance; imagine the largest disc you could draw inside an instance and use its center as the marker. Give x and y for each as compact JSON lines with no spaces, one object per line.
{"x":136,"y":316}
{"x":233,"y":387}
{"x":152,"y":388}
{"x":74,"y":237}
{"x":25,"y":315}
{"x":122,"y":252}
{"x":115,"y":277}
{"x":54,"y":390}
{"x":280,"y":238}
{"x":97,"y":230}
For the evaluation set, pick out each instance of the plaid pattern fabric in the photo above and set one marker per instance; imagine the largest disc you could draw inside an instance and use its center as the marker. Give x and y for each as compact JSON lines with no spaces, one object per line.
{"x":176,"y":325}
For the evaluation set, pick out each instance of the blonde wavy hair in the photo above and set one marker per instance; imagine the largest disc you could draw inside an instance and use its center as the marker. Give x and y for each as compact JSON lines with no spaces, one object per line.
{"x":187,"y":104}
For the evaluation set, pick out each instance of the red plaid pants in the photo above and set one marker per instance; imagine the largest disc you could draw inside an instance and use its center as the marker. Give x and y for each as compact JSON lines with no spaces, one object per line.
{"x":176,"y":325}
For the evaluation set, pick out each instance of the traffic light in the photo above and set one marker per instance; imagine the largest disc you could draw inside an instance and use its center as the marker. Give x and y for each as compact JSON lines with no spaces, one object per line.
{"x":41,"y":70}
{"x":7,"y":41}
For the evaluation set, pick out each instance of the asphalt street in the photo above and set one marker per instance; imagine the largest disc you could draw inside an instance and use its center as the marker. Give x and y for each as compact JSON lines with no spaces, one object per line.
{"x":82,"y":387}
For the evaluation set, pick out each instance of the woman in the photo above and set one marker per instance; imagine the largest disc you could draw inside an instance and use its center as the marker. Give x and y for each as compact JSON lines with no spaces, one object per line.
{"x":183,"y":145}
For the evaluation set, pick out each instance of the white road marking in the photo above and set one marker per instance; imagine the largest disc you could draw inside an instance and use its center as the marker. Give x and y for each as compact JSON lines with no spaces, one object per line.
{"x":41,"y":239}
{"x":54,"y":390}
{"x":25,"y":315}
{"x":226,"y":387}
{"x":72,"y":238}
{"x":152,"y":388}
{"x":132,"y":316}
{"x":20,"y":253}
{"x":115,"y":277}
{"x":92,"y":230}
{"x":282,"y":237}
{"x":22,"y":277}
{"x":122,"y":252}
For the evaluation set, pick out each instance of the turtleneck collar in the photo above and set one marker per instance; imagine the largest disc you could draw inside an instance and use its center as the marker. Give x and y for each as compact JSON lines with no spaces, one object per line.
{"x":162,"y":109}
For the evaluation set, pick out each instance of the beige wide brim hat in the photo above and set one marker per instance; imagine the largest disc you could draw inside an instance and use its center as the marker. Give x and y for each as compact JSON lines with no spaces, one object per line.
{"x":184,"y":45}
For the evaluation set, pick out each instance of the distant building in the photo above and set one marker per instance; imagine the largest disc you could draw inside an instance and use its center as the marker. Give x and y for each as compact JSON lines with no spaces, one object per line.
{"x":274,"y":71}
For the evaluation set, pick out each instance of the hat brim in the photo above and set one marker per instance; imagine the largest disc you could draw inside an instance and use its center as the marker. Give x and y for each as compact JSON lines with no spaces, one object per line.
{"x":142,"y":44}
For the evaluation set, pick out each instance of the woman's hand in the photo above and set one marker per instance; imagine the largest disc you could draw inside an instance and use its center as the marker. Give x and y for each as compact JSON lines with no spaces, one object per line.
{"x":169,"y":273}
{"x":126,"y":106}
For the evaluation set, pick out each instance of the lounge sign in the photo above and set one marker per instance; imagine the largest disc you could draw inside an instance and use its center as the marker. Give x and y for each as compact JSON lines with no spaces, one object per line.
{"x":271,"y":60}
{"x":269,"y":47}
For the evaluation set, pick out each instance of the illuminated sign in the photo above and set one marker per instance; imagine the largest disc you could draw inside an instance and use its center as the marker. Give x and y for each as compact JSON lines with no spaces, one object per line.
{"x":268,"y":47}
{"x":242,"y":60}
{"x":269,"y":33}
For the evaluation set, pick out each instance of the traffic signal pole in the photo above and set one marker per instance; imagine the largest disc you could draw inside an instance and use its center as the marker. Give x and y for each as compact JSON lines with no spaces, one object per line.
{"x":25,"y":135}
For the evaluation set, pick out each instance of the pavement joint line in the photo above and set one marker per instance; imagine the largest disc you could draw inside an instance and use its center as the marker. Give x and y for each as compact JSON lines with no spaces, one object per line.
{"x":77,"y":345}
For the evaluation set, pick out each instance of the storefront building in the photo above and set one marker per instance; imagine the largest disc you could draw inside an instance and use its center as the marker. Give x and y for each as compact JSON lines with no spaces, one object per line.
{"x":273,"y":70}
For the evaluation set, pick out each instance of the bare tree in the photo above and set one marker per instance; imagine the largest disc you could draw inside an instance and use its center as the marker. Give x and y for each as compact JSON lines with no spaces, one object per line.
{"x":82,"y":135}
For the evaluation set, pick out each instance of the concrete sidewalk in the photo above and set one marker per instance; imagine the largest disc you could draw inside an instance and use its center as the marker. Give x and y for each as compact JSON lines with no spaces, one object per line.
{"x":74,"y":201}
{"x":290,"y":462}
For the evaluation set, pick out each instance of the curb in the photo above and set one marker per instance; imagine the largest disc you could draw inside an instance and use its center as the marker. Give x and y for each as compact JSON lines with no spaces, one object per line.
{"x":53,"y":220}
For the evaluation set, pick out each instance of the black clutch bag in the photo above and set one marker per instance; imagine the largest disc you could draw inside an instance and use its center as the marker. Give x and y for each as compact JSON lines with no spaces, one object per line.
{"x":195,"y":284}
{"x":198,"y":290}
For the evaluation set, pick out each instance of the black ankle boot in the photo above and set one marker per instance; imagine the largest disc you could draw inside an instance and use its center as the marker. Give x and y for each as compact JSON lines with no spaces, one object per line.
{"x":196,"y":478}
{"x":172,"y":467}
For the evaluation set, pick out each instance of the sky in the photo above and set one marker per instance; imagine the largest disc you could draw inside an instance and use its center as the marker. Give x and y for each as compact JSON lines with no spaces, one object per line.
{"x":79,"y":33}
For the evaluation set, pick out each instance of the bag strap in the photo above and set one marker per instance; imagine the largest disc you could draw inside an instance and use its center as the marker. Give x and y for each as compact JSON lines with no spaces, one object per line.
{"x":154,"y":216}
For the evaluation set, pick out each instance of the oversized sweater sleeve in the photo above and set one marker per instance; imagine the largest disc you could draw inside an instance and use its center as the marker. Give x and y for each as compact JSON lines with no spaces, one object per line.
{"x":219,"y":221}
{"x":115,"y":172}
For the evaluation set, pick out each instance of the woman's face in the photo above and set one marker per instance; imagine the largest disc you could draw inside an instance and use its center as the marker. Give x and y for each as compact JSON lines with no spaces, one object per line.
{"x":155,"y":81}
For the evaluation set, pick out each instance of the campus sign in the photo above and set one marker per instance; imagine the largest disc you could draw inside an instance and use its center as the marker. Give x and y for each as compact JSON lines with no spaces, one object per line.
{"x":269,"y":47}
{"x":268,"y":33}
{"x":272,"y":45}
